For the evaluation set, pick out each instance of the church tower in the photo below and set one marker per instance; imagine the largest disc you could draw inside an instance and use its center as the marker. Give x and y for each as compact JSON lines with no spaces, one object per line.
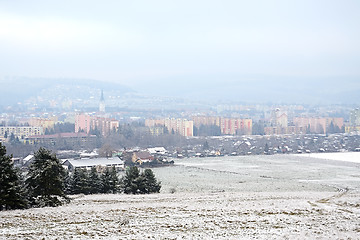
{"x":102,"y":102}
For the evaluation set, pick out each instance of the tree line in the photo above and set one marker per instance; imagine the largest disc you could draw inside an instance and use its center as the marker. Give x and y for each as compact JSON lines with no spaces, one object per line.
{"x":47,"y":183}
{"x":134,"y":181}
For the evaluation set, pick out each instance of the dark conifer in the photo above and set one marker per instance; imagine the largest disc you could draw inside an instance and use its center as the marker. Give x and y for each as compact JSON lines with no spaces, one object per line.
{"x":45,"y":182}
{"x":109,"y":181}
{"x":94,"y":181}
{"x":79,"y":182}
{"x":150,"y":182}
{"x":136,"y":183}
{"x":129,"y":184}
{"x":11,"y":190}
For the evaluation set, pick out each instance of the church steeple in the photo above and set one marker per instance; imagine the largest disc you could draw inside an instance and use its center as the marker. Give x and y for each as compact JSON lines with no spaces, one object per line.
{"x":102,"y":102}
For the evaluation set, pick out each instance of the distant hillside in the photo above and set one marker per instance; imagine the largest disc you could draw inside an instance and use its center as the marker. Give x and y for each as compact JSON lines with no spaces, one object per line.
{"x":20,"y":89}
{"x":259,"y":89}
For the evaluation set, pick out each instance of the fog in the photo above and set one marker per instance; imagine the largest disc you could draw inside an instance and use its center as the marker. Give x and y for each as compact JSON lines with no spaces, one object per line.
{"x":160,"y":46}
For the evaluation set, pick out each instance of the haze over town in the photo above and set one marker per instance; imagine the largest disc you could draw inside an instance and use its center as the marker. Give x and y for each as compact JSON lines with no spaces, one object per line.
{"x":238,"y":50}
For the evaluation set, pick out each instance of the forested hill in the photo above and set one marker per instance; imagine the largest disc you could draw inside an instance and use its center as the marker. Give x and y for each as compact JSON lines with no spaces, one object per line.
{"x":19,"y":89}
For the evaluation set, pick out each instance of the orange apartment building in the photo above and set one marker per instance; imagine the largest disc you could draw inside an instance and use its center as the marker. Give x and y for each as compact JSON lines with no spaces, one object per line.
{"x":48,"y":123}
{"x":316,"y":125}
{"x":228,"y":126}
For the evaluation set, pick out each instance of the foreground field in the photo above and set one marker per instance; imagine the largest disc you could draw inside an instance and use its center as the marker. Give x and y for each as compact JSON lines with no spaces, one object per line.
{"x":261,"y":197}
{"x":295,"y":215}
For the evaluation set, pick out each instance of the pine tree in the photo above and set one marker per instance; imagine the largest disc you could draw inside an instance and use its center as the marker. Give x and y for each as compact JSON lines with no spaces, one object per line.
{"x":136,"y":183}
{"x":67,"y":182}
{"x":114,"y":180}
{"x":129,"y":184}
{"x":94,"y":181}
{"x":45,"y":181}
{"x":140,"y":184}
{"x":11,"y":190}
{"x":79,"y":182}
{"x":109,"y":181}
{"x":150,"y":182}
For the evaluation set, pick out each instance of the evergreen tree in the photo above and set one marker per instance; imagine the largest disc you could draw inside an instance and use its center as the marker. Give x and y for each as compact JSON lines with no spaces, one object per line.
{"x":45,"y":181}
{"x":67,"y":183}
{"x":94,"y":181}
{"x":79,"y":182}
{"x":136,"y":183}
{"x":12,"y":138}
{"x":140,"y":184}
{"x":129,"y":183}
{"x":150,"y":182}
{"x":109,"y":181}
{"x":11,"y":191}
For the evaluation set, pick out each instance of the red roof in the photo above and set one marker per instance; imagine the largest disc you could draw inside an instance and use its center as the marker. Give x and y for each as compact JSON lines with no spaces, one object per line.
{"x":144,"y":155}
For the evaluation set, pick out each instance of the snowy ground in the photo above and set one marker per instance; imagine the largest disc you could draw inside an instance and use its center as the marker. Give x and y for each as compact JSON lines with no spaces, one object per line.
{"x":257,"y":197}
{"x":339,"y":156}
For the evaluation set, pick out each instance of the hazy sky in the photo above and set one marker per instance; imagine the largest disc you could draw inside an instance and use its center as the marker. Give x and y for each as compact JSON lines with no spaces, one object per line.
{"x":141,"y":41}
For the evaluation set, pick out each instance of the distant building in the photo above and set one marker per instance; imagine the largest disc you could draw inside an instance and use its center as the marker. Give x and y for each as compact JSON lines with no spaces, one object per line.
{"x":316,"y":125}
{"x":278,"y":123}
{"x":102,"y":103}
{"x":45,"y":123}
{"x":355,"y":117}
{"x":228,"y":126}
{"x":354,"y":121}
{"x":181,"y":126}
{"x":141,"y":157}
{"x":236,"y":126}
{"x":101,"y":164}
{"x":86,"y":123}
{"x":157,"y":150}
{"x":278,"y":118}
{"x":20,"y":132}
{"x":156,"y":131}
{"x":66,"y":139}
{"x":306,"y":125}
{"x":206,"y":120}
{"x":280,"y":130}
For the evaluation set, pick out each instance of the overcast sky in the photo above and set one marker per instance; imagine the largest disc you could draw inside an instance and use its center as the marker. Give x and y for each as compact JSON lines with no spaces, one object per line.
{"x":139,"y":41}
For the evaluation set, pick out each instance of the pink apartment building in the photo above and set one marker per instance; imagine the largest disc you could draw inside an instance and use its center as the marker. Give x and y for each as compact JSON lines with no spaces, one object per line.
{"x":86,"y":123}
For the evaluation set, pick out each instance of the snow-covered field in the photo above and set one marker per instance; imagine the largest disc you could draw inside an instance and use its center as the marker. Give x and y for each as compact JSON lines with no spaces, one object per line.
{"x":252,"y":197}
{"x":339,"y":156}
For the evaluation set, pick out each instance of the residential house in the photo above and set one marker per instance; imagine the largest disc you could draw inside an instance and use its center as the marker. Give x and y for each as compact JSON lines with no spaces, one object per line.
{"x":101,"y":164}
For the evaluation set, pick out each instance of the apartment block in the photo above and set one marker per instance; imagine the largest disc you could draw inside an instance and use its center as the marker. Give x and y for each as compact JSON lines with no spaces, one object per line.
{"x":316,"y":125}
{"x":48,"y":123}
{"x":86,"y":123}
{"x":228,"y":126}
{"x":236,"y":126}
{"x":181,"y":126}
{"x":20,"y":132}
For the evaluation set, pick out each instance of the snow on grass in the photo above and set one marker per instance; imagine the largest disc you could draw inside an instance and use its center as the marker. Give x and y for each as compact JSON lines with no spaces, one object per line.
{"x":266,"y":215}
{"x":338,"y":156}
{"x":284,"y":197}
